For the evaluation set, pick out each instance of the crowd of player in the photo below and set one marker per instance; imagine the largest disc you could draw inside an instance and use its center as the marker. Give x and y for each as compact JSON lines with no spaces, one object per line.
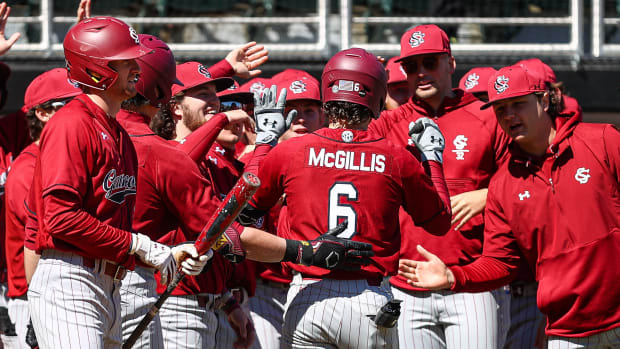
{"x":490,"y":211}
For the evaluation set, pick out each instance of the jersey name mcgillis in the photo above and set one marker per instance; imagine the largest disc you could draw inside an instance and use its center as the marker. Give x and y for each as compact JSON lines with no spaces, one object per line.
{"x":345,"y":159}
{"x":117,"y":187}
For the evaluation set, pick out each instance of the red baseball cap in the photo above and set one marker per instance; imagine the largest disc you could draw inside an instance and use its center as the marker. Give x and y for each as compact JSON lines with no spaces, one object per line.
{"x":476,"y":79}
{"x":512,"y":81}
{"x":423,"y":39}
{"x":289,"y":74}
{"x":300,"y":88}
{"x":192,"y":74}
{"x":537,"y":67}
{"x":395,"y":71}
{"x":234,"y":93}
{"x":53,"y":84}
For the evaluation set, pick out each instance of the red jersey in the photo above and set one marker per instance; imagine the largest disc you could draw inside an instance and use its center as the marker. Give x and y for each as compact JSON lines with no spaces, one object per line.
{"x":17,"y":188}
{"x":14,"y":134}
{"x":475,"y":146}
{"x":562,"y":212}
{"x":172,"y":206}
{"x":84,"y":184}
{"x":333,"y":174}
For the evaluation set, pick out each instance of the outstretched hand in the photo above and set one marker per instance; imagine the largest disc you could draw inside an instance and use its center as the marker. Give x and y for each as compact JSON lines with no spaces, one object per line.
{"x":431,"y":274}
{"x":467,"y":205}
{"x":6,"y":44}
{"x":247,"y":58}
{"x":83,"y":11}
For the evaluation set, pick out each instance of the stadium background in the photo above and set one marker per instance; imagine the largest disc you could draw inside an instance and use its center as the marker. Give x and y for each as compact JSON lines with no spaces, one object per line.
{"x":579,"y":39}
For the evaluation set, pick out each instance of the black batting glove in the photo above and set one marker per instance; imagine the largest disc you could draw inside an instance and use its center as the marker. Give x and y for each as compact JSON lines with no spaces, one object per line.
{"x":329,"y":251}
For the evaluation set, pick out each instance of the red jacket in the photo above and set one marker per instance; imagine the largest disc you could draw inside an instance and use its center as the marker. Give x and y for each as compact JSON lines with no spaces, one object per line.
{"x":17,"y":188}
{"x":562,"y":211}
{"x":475,"y":145}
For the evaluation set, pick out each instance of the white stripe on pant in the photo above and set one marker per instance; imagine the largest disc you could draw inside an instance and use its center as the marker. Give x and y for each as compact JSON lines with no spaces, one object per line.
{"x":138,"y":294}
{"x":445,"y":319}
{"x":72,"y":306}
{"x":267,"y":310}
{"x":335,"y":314}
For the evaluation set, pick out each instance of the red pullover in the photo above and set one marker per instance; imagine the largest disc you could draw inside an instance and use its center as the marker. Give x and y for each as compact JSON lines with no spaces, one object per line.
{"x":562,"y":212}
{"x":475,"y":145}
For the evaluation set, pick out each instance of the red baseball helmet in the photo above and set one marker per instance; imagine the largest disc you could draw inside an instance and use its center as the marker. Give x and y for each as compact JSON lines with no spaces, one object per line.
{"x":90,"y":46}
{"x":157,"y":71}
{"x":355,"y":75}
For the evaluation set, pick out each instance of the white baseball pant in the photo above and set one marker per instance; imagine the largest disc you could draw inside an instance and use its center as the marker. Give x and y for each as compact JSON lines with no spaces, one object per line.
{"x":188,"y":323}
{"x":20,"y":316}
{"x":8,"y":342}
{"x":267,"y":311}
{"x":335,"y":314}
{"x":604,"y":340}
{"x":138,"y":293}
{"x":73,"y":306}
{"x":446,"y":319}
{"x":525,"y":317}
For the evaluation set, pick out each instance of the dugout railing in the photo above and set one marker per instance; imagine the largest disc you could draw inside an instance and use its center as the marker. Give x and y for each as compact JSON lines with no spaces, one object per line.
{"x":337,"y":25}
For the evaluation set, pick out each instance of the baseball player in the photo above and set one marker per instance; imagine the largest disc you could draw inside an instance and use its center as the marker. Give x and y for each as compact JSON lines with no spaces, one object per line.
{"x":475,"y":146}
{"x":475,"y":82}
{"x":234,"y":98}
{"x":46,"y":94}
{"x":398,"y":92}
{"x":84,"y":188}
{"x":359,"y":178}
{"x":560,"y":170}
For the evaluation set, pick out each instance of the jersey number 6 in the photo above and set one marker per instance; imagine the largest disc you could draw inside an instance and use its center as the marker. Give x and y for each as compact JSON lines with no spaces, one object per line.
{"x":339,"y":211}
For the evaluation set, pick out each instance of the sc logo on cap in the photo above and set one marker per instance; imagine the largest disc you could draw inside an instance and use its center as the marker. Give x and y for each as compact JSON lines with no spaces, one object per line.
{"x":472,"y":81}
{"x":204,"y":71}
{"x":501,"y":84}
{"x":298,"y":86}
{"x":417,"y":38}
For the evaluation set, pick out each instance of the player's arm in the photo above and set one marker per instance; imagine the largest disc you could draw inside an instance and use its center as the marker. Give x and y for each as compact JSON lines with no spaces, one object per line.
{"x":496,"y":267}
{"x":426,"y":197}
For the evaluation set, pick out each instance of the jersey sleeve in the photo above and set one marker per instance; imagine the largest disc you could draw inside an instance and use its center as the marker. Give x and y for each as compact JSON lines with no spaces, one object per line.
{"x":422,"y":200}
{"x":271,"y":174}
{"x":499,"y":262}
{"x":198,"y":143}
{"x":191,"y":198}
{"x":63,"y":170}
{"x":221,"y":69}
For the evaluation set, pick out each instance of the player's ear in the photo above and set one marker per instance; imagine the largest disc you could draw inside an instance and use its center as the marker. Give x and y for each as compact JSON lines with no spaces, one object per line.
{"x":43,"y":115}
{"x":177,"y":111}
{"x":452,"y":63}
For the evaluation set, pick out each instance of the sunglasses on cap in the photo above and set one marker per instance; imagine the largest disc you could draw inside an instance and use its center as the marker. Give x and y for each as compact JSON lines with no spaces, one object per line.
{"x":234,"y":105}
{"x":430,"y":63}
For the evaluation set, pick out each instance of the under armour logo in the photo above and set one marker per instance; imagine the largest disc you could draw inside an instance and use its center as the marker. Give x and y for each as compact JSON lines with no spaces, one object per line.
{"x":501,"y":84}
{"x":298,"y":86}
{"x":182,"y":141}
{"x":524,"y":195}
{"x":416,"y":39}
{"x":213,"y":160}
{"x":220,"y":150}
{"x":471,"y":81}
{"x":583,"y":175}
{"x":104,"y":136}
{"x":274,"y":123}
{"x":436,"y":140}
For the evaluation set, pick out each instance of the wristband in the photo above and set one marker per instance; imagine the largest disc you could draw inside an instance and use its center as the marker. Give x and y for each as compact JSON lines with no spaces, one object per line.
{"x":299,"y":252}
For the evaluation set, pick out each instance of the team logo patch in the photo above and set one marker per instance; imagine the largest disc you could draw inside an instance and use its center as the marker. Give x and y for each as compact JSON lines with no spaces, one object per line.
{"x":347,"y":136}
{"x":471,"y":81}
{"x":232,"y":88}
{"x":298,"y":86}
{"x":582,"y":175}
{"x":524,"y":195}
{"x":204,"y":71}
{"x":501,"y":84}
{"x":118,"y":187}
{"x":416,"y":39}
{"x":134,"y":35}
{"x":460,"y":142}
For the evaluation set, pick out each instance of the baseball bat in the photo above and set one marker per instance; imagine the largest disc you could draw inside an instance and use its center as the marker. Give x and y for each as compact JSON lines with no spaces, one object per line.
{"x":221,"y":219}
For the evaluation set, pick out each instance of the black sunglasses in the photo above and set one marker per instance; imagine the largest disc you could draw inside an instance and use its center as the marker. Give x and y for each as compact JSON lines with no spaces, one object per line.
{"x":429,"y":63}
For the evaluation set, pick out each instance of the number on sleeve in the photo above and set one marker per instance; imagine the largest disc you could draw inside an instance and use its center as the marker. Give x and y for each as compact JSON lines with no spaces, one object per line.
{"x":339,"y":211}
